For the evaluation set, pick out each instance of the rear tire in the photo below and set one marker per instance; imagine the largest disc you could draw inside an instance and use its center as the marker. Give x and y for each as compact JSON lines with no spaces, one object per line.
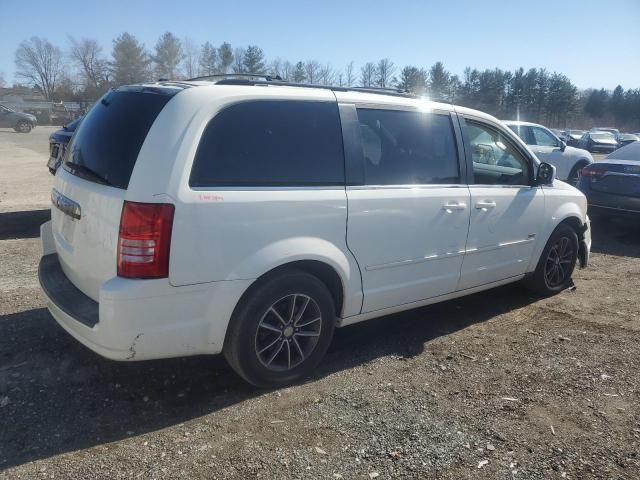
{"x":574,"y":177}
{"x":281,"y":329}
{"x":23,"y":127}
{"x":557,"y":262}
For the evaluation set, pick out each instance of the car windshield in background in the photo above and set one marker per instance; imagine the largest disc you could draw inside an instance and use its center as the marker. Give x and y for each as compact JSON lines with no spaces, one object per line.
{"x":106,"y":145}
{"x":602,"y":136}
{"x":72,"y":124}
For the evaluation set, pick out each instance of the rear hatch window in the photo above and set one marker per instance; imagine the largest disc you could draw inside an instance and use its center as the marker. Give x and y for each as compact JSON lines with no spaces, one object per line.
{"x":105,"y":147}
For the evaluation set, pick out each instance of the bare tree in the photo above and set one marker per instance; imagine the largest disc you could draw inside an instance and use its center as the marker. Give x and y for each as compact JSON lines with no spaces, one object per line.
{"x":349,"y":74}
{"x":287,"y":70}
{"x":326,"y":75}
{"x":238,"y":61}
{"x":39,"y":63}
{"x":191,"y":53}
{"x":312,"y":71}
{"x":2,"y":80}
{"x":93,"y":67}
{"x":368,"y":74}
{"x":275,"y":68}
{"x":384,"y":73}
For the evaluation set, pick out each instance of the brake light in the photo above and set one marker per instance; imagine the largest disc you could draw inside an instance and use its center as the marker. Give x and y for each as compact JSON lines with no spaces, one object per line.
{"x":592,"y":172}
{"x":144,"y":240}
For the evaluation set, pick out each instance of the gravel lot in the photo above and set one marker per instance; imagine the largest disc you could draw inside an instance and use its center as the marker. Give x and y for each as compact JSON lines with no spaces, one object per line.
{"x":497,"y":385}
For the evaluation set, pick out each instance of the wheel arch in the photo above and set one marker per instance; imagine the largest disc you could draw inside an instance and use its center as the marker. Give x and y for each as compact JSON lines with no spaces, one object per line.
{"x":567,"y":212}
{"x":325,"y":272}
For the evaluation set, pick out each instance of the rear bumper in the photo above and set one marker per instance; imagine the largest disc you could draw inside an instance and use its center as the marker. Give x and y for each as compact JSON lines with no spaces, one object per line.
{"x":139,"y":319}
{"x":605,"y":202}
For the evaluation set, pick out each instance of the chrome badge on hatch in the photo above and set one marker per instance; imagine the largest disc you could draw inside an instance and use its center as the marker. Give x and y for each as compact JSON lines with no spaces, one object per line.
{"x":65,"y":204}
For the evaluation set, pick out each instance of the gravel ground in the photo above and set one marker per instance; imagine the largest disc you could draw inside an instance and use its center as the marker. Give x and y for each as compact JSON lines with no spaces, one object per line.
{"x":496,"y":385}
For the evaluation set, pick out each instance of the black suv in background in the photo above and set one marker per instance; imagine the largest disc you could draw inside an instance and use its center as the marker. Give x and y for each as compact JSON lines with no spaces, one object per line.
{"x":58,"y":142}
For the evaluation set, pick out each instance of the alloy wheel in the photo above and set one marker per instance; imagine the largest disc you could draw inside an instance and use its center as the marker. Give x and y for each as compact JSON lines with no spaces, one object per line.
{"x":559,"y":262}
{"x":288,"y":332}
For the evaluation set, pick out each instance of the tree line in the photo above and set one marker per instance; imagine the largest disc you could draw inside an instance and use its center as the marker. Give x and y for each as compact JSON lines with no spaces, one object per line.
{"x":84,"y":71}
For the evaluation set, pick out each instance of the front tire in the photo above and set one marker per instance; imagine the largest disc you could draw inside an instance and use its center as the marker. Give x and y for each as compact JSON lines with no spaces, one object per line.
{"x":281,"y":330}
{"x":23,"y":127}
{"x":557,"y":262}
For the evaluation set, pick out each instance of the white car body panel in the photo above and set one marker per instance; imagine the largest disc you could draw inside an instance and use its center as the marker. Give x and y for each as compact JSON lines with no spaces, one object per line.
{"x":391,"y":233}
{"x":393,"y":248}
{"x":502,"y":234}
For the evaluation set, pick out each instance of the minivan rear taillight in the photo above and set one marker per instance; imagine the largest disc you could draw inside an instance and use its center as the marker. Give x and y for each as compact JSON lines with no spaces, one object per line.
{"x":144,"y":240}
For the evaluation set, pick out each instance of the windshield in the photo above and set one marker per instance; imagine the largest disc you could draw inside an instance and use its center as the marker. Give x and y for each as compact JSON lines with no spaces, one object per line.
{"x":72,"y":125}
{"x":602,"y":136}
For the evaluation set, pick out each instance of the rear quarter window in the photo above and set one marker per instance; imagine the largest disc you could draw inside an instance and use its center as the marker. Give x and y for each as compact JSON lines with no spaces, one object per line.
{"x":271,"y":143}
{"x":106,"y":144}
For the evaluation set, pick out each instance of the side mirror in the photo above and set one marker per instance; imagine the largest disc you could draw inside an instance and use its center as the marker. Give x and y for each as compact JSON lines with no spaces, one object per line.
{"x":546,"y":174}
{"x":563,"y":145}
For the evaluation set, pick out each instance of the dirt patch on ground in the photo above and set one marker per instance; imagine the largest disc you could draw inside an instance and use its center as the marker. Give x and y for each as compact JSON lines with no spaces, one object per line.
{"x":496,"y":385}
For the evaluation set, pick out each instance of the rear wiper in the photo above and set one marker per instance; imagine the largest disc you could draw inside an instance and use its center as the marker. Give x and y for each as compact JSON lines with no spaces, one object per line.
{"x":89,"y":173}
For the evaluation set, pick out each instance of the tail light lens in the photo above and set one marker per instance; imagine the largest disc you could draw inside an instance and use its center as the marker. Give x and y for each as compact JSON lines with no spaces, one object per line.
{"x":144,"y":240}
{"x":592,"y":172}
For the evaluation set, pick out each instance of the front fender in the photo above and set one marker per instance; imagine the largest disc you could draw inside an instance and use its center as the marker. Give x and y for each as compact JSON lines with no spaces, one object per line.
{"x":562,"y":202}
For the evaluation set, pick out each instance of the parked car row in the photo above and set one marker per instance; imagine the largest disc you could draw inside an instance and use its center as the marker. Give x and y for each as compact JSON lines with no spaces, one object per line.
{"x":601,"y":139}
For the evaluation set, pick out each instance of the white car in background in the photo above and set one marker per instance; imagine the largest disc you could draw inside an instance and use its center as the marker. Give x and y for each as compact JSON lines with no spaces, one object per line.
{"x":551,"y":149}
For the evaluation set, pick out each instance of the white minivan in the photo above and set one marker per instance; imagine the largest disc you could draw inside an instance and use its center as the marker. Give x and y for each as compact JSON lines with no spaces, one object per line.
{"x":252,"y":217}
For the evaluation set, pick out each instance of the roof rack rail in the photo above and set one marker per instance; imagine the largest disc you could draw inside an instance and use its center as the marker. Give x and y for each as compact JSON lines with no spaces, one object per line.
{"x":262,"y":79}
{"x":268,"y":78}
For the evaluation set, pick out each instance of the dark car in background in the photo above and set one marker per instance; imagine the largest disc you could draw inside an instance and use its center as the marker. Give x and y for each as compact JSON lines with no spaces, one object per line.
{"x":58,"y":142}
{"x":627,"y":138}
{"x":612,"y":185}
{"x":19,"y":121}
{"x":603,"y":142}
{"x":573,"y":137}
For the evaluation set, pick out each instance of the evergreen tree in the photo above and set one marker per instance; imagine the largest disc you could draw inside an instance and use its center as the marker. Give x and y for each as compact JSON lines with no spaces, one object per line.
{"x":168,"y":55}
{"x":130,"y":60}
{"x":225,"y":57}
{"x":253,"y":60}
{"x":413,"y":79}
{"x":299,"y":74}
{"x":208,"y":60}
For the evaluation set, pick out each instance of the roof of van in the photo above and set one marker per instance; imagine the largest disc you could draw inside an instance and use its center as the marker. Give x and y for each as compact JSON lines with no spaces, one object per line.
{"x":277,"y":88}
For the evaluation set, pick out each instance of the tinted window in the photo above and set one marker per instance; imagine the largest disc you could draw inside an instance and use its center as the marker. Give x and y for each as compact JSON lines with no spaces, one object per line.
{"x":403,"y":148}
{"x":105,"y":147}
{"x":271,"y":143}
{"x":524,"y":132}
{"x":544,"y":138}
{"x":495,"y":160}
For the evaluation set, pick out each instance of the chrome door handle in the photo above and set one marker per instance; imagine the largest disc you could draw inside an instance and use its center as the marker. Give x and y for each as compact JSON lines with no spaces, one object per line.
{"x":451,"y":206}
{"x":485,"y":205}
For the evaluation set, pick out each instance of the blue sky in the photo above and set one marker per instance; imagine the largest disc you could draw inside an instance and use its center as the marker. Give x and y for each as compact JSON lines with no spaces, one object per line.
{"x":595,"y":43}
